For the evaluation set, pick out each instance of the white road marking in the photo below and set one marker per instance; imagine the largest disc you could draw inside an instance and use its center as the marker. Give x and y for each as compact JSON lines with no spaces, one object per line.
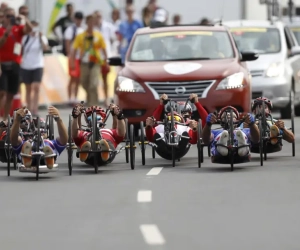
{"x":152,"y":235}
{"x":154,"y":171}
{"x":144,"y":196}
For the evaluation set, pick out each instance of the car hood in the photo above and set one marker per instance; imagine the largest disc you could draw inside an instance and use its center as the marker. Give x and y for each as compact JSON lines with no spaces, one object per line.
{"x":264,"y":61}
{"x":177,"y":71}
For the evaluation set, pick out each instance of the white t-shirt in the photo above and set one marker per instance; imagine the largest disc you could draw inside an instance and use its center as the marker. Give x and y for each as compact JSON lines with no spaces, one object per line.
{"x":33,"y":57}
{"x":108,"y":32}
{"x":69,"y":35}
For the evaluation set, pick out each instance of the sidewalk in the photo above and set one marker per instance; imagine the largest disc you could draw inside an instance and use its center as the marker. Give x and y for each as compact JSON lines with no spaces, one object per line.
{"x":53,"y":89}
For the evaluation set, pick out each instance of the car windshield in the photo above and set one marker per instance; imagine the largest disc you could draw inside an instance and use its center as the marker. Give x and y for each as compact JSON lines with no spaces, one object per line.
{"x":181,"y":45}
{"x":259,"y":40}
{"x":296,"y":31}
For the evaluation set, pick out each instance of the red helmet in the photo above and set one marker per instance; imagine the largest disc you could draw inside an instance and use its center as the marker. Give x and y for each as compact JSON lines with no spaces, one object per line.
{"x":235,"y":112}
{"x":99,"y":111}
{"x":258,"y":101}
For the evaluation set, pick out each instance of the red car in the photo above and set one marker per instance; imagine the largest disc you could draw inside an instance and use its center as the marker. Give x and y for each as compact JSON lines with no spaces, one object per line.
{"x":179,"y":61}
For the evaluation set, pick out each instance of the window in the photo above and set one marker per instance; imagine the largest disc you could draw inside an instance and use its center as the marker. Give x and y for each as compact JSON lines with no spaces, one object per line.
{"x":260,"y":40}
{"x":181,"y":45}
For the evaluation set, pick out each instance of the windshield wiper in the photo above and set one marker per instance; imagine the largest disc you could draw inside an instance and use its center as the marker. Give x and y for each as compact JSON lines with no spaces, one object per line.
{"x":189,"y":59}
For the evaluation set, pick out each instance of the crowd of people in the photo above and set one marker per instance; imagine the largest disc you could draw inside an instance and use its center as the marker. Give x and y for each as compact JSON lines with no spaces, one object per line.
{"x":87,"y":41}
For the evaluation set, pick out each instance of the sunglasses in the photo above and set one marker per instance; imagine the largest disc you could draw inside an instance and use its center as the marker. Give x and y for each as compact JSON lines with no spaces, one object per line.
{"x":99,"y":118}
{"x":176,"y":118}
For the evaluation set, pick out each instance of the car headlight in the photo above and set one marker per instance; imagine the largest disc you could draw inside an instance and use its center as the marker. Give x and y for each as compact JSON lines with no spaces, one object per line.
{"x":128,"y":85}
{"x":234,"y":81}
{"x":275,"y":70}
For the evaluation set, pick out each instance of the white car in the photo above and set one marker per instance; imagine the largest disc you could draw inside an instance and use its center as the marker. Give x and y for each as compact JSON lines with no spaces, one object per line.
{"x":276,"y":73}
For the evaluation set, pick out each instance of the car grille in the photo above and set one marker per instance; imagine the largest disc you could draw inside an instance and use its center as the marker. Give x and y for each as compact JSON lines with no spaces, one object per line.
{"x":180,"y":91}
{"x":256,"y":73}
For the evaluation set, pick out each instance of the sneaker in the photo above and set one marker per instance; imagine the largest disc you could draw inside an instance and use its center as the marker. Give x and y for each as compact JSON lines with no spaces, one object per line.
{"x":49,"y":161}
{"x":274,"y":132}
{"x":86,"y":146}
{"x":27,"y":150}
{"x":223,"y":140}
{"x":241,"y":139}
{"x":104,"y":147}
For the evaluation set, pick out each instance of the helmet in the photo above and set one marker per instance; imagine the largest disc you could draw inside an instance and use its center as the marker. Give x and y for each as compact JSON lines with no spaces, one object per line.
{"x":177,"y":117}
{"x":258,"y":102}
{"x":101,"y":114}
{"x":185,"y":109}
{"x":222,"y":112}
{"x":42,"y":123}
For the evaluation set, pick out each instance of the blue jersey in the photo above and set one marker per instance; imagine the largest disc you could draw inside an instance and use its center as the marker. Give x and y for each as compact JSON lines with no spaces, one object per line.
{"x":54,"y":144}
{"x":217,"y":134}
{"x":127,"y":31}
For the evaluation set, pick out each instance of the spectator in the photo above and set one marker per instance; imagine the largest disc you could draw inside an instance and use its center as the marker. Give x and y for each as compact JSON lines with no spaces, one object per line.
{"x":205,"y":21}
{"x":147,"y":16}
{"x":176,"y":19}
{"x":1,"y":17}
{"x":160,"y":17}
{"x":32,"y":65}
{"x":11,"y":36}
{"x":90,"y":43}
{"x":115,"y":17}
{"x":69,"y":35}
{"x":127,"y":30}
{"x":107,"y":30}
{"x":3,"y":6}
{"x":63,"y":23}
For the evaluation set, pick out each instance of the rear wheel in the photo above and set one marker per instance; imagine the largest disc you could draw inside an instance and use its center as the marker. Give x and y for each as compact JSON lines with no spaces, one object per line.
{"x":231,"y":139}
{"x":287,"y":111}
{"x":132,"y":147}
{"x":199,"y":144}
{"x":70,"y":150}
{"x":95,"y":140}
{"x":142,"y":141}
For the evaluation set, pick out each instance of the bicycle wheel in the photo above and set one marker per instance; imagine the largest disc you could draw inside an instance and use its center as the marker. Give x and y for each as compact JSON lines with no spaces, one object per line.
{"x":292,"y":120}
{"x":261,"y":143}
{"x":38,"y":144}
{"x":95,"y":140}
{"x":132,"y":147}
{"x":142,"y":141}
{"x":127,"y":142}
{"x":199,"y":144}
{"x":264,"y":125}
{"x":231,"y":138}
{"x":7,"y":147}
{"x":51,"y":128}
{"x":70,"y":149}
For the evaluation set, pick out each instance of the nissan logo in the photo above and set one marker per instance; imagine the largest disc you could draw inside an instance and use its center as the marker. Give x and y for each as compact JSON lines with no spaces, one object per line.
{"x":180,"y":90}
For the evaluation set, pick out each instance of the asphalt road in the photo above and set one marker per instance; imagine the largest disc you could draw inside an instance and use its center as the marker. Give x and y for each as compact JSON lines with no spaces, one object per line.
{"x":155,"y":206}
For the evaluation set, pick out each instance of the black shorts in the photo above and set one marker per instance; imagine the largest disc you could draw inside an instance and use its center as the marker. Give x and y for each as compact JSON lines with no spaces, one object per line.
{"x":10,"y":77}
{"x":32,"y":75}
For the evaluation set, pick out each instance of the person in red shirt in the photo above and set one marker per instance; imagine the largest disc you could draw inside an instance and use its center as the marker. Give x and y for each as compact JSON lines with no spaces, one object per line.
{"x":111,"y":138}
{"x":157,"y":134}
{"x":11,"y":35}
{"x":186,"y":110}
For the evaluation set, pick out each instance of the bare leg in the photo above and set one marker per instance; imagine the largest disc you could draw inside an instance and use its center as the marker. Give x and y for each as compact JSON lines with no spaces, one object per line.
{"x":76,"y":87}
{"x":35,"y":97}
{"x":70,"y":87}
{"x":105,"y":88}
{"x":28,"y":96}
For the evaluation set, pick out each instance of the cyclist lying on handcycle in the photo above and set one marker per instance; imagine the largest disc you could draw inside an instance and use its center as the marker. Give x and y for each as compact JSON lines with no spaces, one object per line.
{"x":157,"y":134}
{"x":221,"y":136}
{"x":277,"y":127}
{"x":27,"y":147}
{"x":185,"y":109}
{"x":111,"y":138}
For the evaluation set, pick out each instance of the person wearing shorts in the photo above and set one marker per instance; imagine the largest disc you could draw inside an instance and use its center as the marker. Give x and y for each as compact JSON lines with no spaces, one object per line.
{"x":32,"y":66}
{"x":70,"y":34}
{"x":11,"y":36}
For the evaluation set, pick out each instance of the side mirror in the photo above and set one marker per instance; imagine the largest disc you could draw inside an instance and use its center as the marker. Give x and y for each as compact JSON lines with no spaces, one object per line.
{"x":249,"y":56}
{"x":115,"y":61}
{"x":295,"y":51}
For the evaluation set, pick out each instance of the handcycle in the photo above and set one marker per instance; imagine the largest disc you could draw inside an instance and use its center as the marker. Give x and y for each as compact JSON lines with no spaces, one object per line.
{"x":95,"y":130}
{"x":232,"y":158}
{"x":170,"y":135}
{"x":265,"y":135}
{"x":7,"y":154}
{"x":38,"y":144}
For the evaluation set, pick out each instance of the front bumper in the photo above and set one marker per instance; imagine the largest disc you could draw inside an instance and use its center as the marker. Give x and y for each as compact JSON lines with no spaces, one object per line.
{"x":276,"y":89}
